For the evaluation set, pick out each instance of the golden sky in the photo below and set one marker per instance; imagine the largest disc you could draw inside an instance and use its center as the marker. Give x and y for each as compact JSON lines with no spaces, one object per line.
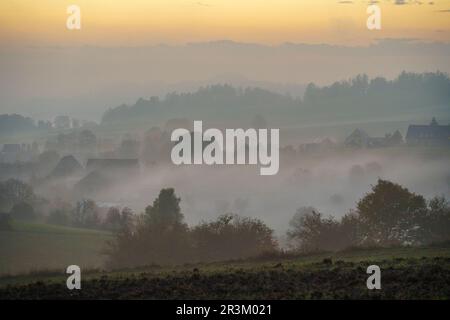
{"x":146,"y":22}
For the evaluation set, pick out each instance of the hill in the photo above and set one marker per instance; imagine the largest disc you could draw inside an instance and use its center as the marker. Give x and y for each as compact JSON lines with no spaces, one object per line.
{"x":410,"y":95}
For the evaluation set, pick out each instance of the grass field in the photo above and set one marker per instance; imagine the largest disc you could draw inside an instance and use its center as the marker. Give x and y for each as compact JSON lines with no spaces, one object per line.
{"x":406,"y":273}
{"x":32,"y":247}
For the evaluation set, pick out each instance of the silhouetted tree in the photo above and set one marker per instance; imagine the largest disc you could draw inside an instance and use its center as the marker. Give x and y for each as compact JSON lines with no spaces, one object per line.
{"x":435,"y":224}
{"x":126,"y":219}
{"x":159,"y":237}
{"x":14,"y":191}
{"x":395,"y":139}
{"x":165,"y":211}
{"x":390,"y":213}
{"x":118,"y":220}
{"x":112,"y":219}
{"x":86,"y":214}
{"x":350,"y":230}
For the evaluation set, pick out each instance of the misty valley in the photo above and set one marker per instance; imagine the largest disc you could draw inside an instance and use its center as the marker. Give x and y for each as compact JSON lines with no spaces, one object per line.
{"x":298,"y":197}
{"x":225,"y":159}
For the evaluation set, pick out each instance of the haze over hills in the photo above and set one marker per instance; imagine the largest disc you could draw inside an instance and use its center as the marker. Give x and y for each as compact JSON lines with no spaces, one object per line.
{"x":358,"y":99}
{"x":224,"y":149}
{"x":84,"y":81}
{"x":375,"y":104}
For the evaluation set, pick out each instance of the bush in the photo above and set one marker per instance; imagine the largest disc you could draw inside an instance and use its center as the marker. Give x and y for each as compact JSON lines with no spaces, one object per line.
{"x":435,"y":225}
{"x":22,"y":211}
{"x":116,"y":220}
{"x":389,"y":215}
{"x":160,"y":236}
{"x":232,"y":237}
{"x":58,"y":217}
{"x":149,"y":245}
{"x":14,"y":191}
{"x":86,"y":215}
{"x":5,"y":221}
{"x":310,"y":231}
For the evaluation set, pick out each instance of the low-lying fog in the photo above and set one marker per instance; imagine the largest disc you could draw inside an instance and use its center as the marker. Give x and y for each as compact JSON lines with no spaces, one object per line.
{"x":331,"y":181}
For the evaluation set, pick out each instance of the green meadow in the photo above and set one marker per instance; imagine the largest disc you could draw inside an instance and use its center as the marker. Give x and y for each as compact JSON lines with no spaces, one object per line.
{"x":33,"y":247}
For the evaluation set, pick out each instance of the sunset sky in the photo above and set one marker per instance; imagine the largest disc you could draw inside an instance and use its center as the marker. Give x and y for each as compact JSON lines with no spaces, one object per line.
{"x":147,"y":22}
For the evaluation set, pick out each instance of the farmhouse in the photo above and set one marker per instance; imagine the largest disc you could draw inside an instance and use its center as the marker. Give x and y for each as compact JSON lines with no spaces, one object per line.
{"x":432,"y":134}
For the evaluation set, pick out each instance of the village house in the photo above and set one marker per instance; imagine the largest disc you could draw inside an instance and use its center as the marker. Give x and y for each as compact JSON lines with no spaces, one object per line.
{"x":432,"y":134}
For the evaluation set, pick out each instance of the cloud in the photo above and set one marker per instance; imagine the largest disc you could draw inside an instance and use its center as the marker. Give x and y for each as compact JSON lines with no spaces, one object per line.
{"x":398,"y":40}
{"x":345,"y":2}
{"x":203,"y":4}
{"x":443,"y":11}
{"x":410,"y":2}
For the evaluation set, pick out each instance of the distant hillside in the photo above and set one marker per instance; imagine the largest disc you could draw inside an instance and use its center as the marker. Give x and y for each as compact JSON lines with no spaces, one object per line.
{"x":216,"y":103}
{"x":359,"y":99}
{"x":409,"y":95}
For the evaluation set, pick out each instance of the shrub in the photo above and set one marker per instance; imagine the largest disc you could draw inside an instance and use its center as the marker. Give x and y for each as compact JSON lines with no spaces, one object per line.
{"x":232,"y":237}
{"x":5,"y":221}
{"x":310,"y":231}
{"x":58,"y":217}
{"x":22,"y":211}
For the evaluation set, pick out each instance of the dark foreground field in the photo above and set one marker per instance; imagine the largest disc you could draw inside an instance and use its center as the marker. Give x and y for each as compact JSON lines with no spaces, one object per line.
{"x":406,"y":273}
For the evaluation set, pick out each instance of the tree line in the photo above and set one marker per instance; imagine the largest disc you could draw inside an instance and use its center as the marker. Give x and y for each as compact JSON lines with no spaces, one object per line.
{"x":19,"y":202}
{"x":351,"y":99}
{"x":388,"y":215}
{"x":160,"y":236}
